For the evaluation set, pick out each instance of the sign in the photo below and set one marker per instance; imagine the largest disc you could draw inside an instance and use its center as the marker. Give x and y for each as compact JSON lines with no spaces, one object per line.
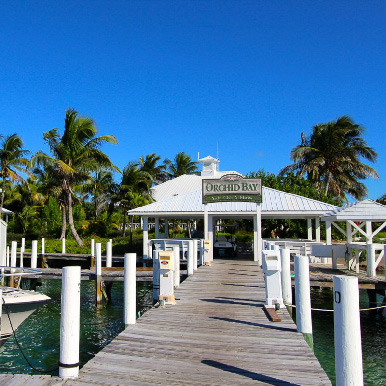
{"x":165,"y":260}
{"x":231,"y":187}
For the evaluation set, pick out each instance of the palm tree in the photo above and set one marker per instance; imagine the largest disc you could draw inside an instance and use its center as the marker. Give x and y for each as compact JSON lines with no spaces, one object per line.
{"x":331,"y":158}
{"x":149,"y":164}
{"x":134,"y":190}
{"x":182,"y":164}
{"x":12,"y":162}
{"x":74,"y":156}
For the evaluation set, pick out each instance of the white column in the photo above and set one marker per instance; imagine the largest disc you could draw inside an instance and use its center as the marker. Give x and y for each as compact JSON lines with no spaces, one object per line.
{"x":145,"y":228}
{"x":176,"y":254}
{"x":156,"y":227}
{"x":109,"y":254}
{"x":370,"y":250}
{"x":70,"y":323}
{"x":22,"y":250}
{"x":34,"y":254}
{"x":13,"y":253}
{"x":206,"y":222}
{"x":98,"y":272}
{"x":286,"y":284}
{"x":349,"y":241}
{"x":328,"y":233}
{"x":309,"y":229}
{"x":130,"y":289}
{"x":63,"y":246}
{"x":190,"y":258}
{"x":303,"y":298}
{"x":317,"y":229}
{"x":43,"y":246}
{"x":195,"y":252}
{"x":92,"y":248}
{"x":347,"y":332}
{"x":210,"y":236}
{"x":259,"y":239}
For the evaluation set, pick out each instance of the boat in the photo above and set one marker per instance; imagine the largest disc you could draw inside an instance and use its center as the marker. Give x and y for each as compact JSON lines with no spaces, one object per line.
{"x":17,"y":303}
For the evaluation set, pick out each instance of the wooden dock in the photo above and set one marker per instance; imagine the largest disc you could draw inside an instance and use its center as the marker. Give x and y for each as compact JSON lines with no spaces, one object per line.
{"x":217,"y":334}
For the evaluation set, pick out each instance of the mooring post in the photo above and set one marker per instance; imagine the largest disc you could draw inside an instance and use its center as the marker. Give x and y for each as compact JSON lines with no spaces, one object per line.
{"x":286,"y":284}
{"x":190,"y":258}
{"x":43,"y":246}
{"x":63,"y":245}
{"x":34,"y":254}
{"x":109,"y":257}
{"x":303,"y":298}
{"x":130,"y":289}
{"x":98,"y":272}
{"x":370,"y":250}
{"x":70,"y":323}
{"x":13,"y":262}
{"x":176,"y":254}
{"x":92,"y":264}
{"x":347,"y":331}
{"x":22,"y":250}
{"x":7,"y":257}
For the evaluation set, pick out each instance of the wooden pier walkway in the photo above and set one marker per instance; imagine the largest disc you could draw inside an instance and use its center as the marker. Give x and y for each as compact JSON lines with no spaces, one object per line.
{"x":217,"y":334}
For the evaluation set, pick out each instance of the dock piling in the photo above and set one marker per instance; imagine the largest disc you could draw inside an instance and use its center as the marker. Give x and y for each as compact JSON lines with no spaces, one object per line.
{"x":130,"y":288}
{"x":303,"y":298}
{"x":109,"y":254}
{"x":347,"y":332}
{"x":190,"y":258}
{"x":176,"y":254}
{"x":98,"y":272}
{"x":70,"y":323}
{"x":285,"y":254}
{"x":63,"y":245}
{"x":34,"y":254}
{"x":92,"y":264}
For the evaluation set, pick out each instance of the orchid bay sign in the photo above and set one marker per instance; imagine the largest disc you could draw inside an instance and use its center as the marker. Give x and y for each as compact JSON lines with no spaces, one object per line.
{"x":231,"y":187}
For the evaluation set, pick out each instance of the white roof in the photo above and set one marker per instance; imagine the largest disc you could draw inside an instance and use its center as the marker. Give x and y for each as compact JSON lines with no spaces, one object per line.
{"x":276,"y":204}
{"x":367,"y":210}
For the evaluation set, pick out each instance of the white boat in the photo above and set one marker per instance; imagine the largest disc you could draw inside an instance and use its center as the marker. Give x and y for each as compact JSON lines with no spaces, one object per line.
{"x":17,"y":304}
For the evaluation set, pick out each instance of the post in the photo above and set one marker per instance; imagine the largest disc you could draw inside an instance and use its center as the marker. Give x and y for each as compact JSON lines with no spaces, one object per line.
{"x":34,"y":254}
{"x":155,"y":276}
{"x":309,"y":229}
{"x":43,"y":246}
{"x":13,"y":263}
{"x":98,"y":273}
{"x":63,"y":245}
{"x":156,"y":228}
{"x":22,"y":250}
{"x":317,"y":229}
{"x":176,"y":254}
{"x":303,"y":298}
{"x":1,"y":308}
{"x":109,"y":256}
{"x":130,"y":289}
{"x":195,"y":252}
{"x":7,"y":257}
{"x":92,"y":253}
{"x":190,"y":258}
{"x":347,"y":332}
{"x":286,"y":275}
{"x":210,"y":236}
{"x":370,"y":250}
{"x":70,"y":323}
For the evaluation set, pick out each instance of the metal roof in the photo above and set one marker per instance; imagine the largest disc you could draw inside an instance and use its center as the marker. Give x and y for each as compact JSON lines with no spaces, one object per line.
{"x":276,"y":204}
{"x":367,"y":210}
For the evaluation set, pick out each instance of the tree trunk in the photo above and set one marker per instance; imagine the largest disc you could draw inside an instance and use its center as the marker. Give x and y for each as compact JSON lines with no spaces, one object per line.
{"x":64,"y":222}
{"x":71,"y":221}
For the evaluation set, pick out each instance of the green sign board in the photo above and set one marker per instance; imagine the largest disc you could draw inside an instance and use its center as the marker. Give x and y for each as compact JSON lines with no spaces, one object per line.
{"x":231,"y":188}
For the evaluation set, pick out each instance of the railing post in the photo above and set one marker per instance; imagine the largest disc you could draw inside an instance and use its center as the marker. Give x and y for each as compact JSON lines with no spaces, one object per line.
{"x":347,"y":332}
{"x":109,"y":257}
{"x":34,"y":254}
{"x":70,"y":323}
{"x":130,"y":288}
{"x":303,"y":298}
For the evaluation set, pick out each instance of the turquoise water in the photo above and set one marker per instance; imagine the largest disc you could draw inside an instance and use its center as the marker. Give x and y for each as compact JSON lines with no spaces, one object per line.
{"x":373,"y":326}
{"x":39,"y":335}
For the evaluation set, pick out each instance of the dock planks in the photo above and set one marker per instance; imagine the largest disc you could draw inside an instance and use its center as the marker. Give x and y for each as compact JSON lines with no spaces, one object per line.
{"x":217,"y":334}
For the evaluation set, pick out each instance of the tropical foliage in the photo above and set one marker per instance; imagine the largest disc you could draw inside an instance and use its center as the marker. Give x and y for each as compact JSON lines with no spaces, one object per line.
{"x":331,"y":158}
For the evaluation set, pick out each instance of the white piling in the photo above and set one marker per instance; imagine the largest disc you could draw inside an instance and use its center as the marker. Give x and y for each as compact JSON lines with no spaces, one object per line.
{"x":43,"y":246}
{"x":98,"y":272}
{"x":109,"y":253}
{"x":155,"y":276}
{"x":130,"y":289}
{"x":176,"y":254}
{"x":347,"y":332}
{"x":70,"y":323}
{"x":63,"y":246}
{"x":195,"y":258}
{"x":286,"y":284}
{"x":34,"y":254}
{"x":1,"y":308}
{"x":190,"y":258}
{"x":303,"y":298}
{"x":7,"y":257}
{"x":92,"y":253}
{"x":22,"y":250}
{"x":13,"y":253}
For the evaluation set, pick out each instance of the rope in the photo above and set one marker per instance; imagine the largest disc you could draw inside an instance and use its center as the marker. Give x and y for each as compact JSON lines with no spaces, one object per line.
{"x":326,"y":310}
{"x":21,"y":350}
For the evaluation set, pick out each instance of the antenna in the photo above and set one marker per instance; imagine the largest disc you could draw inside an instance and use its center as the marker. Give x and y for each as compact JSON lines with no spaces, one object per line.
{"x":217,"y":150}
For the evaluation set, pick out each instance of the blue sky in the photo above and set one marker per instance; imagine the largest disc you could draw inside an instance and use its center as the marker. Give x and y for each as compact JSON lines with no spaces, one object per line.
{"x":243,"y":77}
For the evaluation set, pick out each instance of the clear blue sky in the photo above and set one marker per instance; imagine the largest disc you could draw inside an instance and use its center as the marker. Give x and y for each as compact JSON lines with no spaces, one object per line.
{"x":171,"y":76}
